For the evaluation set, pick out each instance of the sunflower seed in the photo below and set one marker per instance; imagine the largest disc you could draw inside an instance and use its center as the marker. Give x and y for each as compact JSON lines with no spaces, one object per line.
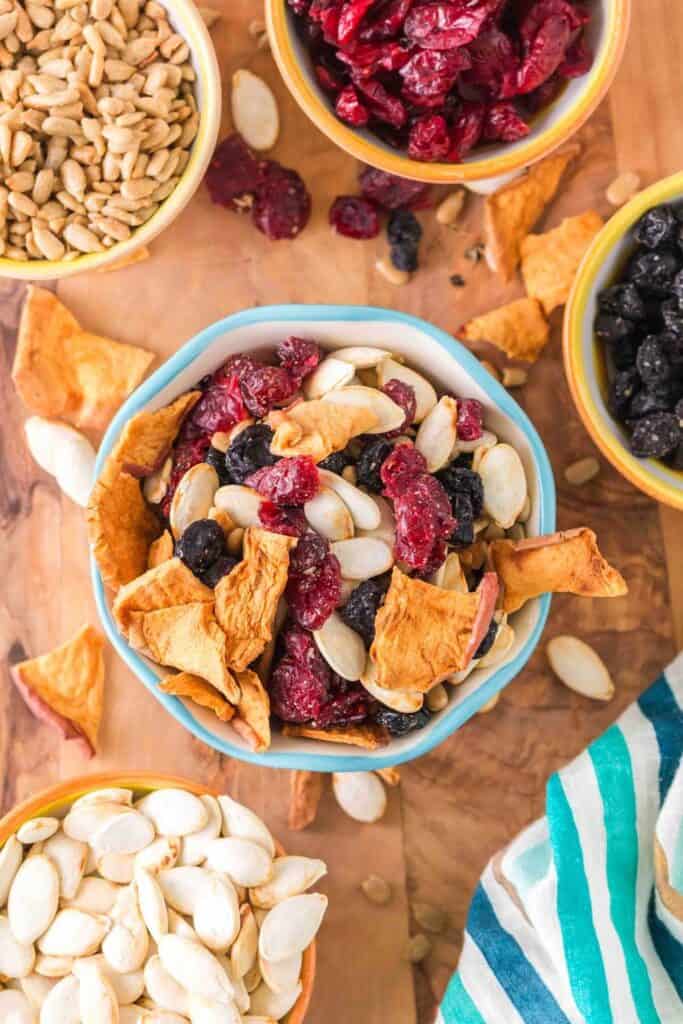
{"x":245,"y":947}
{"x":291,"y":877}
{"x":582,"y":471}
{"x":254,"y":110}
{"x":174,"y":812}
{"x":386,"y":528}
{"x":327,"y":514}
{"x":37,"y":830}
{"x":329,"y":373}
{"x":241,"y":822}
{"x":16,"y":958}
{"x":291,"y":926}
{"x":504,"y":482}
{"x":390,"y":415}
{"x":33,"y":898}
{"x":195,"y":968}
{"x":364,"y":510}
{"x":341,"y":647}
{"x":193,"y":849}
{"x":216,"y":916}
{"x":579,"y":667}
{"x":10,"y":858}
{"x":449,"y":209}
{"x":245,"y":862}
{"x":362,"y":357}
{"x":438,"y":433}
{"x":361,"y":558}
{"x":162,"y":988}
{"x":151,"y":902}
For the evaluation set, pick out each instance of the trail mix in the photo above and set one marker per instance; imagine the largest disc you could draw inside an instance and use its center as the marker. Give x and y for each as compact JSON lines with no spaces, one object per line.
{"x":170,"y":906}
{"x":97,"y":118}
{"x":438,"y":79}
{"x":324,"y":539}
{"x":640,"y":324}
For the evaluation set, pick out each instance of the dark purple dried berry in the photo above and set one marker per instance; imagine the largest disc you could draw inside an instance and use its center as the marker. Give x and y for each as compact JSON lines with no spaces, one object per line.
{"x":202,"y":543}
{"x":399,"y":724}
{"x":370,"y":462}
{"x":220,"y":568}
{"x":622,"y":300}
{"x":652,"y":361}
{"x":672,"y":315}
{"x":656,"y":436}
{"x":404,"y":257}
{"x":654,"y":272}
{"x":360,"y":610}
{"x":612,"y":329}
{"x":625,"y":385}
{"x":657,"y":227}
{"x":404,"y":228}
{"x":216,"y":458}
{"x":654,"y":397}
{"x":336,"y":462}
{"x":249,"y":451}
{"x":488,"y":641}
{"x":456,"y":480}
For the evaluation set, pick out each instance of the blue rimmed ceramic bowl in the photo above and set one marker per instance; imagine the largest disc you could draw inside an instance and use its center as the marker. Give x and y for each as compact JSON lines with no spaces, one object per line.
{"x":451,"y":368}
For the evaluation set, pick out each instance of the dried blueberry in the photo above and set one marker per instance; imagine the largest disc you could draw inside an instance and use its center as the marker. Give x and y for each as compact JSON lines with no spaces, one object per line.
{"x":463,"y":534}
{"x":657,"y":227}
{"x":652,"y":361}
{"x":677,"y":286}
{"x":220,"y":568}
{"x":612,"y":329}
{"x":216,"y":458}
{"x":625,"y":385}
{"x":403,"y":228}
{"x":656,"y":436}
{"x":369,"y":464}
{"x":675,"y":460}
{"x":679,"y":411}
{"x":399,"y":724}
{"x":622,"y":300}
{"x":404,"y":257}
{"x":249,"y":451}
{"x":624,"y":354}
{"x":673,"y":345}
{"x":202,"y":543}
{"x":654,"y":397}
{"x":457,"y":480}
{"x":360,"y":610}
{"x":653,"y":271}
{"x":672,"y":315}
{"x":336,"y":462}
{"x":488,"y":641}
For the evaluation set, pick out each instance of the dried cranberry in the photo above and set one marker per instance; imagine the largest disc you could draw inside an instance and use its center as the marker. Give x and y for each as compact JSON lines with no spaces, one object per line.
{"x":467,"y":129}
{"x":444,"y":26}
{"x":290,"y":521}
{"x":354,"y":217}
{"x":220,"y":407}
{"x":235,"y":366}
{"x":297,"y":691}
{"x":493,"y":63}
{"x":423,"y":523}
{"x":289,"y":482}
{"x":388,"y":22}
{"x":283,"y":203}
{"x":299,"y":356}
{"x":539,"y":12}
{"x":400,"y":468}
{"x":350,"y":18}
{"x":186,"y":454}
{"x":348,"y":702}
{"x":366,"y":59}
{"x":577,"y":60}
{"x":350,"y":109}
{"x":389,"y":191}
{"x":470,"y":419}
{"x":503,"y":122}
{"x":300,"y":645}
{"x":546,"y":53}
{"x":433,"y":72}
{"x":429,"y":139}
{"x":265,"y":387}
{"x":327,"y":80}
{"x":313,"y":590}
{"x":299,"y":7}
{"x":327,"y":16}
{"x":310,"y":552}
{"x":402,"y":394}
{"x":234,"y":174}
{"x":381,"y":103}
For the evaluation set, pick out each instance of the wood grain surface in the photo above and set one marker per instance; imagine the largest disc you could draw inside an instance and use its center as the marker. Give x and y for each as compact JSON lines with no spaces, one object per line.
{"x":461,"y":803}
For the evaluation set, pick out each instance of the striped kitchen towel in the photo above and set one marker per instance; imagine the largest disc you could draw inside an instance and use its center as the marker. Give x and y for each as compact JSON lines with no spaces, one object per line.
{"x":580,"y":920}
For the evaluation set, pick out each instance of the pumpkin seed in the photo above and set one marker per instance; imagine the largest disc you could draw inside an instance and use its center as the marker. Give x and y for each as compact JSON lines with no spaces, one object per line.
{"x":386,"y":528}
{"x":364,"y":510}
{"x":327,"y":514}
{"x":94,"y":896}
{"x":161,"y":854}
{"x":282,"y":976}
{"x":54,"y":966}
{"x":363,"y":357}
{"x":245,"y":947}
{"x":73,"y":933}
{"x":291,"y":926}
{"x":425,"y":395}
{"x":162,"y":988}
{"x":193,"y":848}
{"x":203,"y":1011}
{"x":97,"y":999}
{"x":341,"y":647}
{"x":362,"y":557}
{"x":14,"y":1006}
{"x":241,"y":822}
{"x":126,"y":946}
{"x":151,"y":902}
{"x":241,"y":503}
{"x":579,"y":667}
{"x":405,"y":701}
{"x":361,"y":795}
{"x":376,"y":889}
{"x":389,"y":414}
{"x":36,"y":989}
{"x":291,"y":876}
{"x":330,"y":373}
{"x":126,"y":832}
{"x":254,"y":110}
{"x":33,"y":898}
{"x":252,"y":979}
{"x":128,"y":988}
{"x":181,"y":887}
{"x":273,"y":1005}
{"x":113,"y":795}
{"x":504,"y":482}
{"x":177,"y":925}
{"x":84,"y":821}
{"x":11,"y":856}
{"x":217,"y":916}
{"x":16,"y":958}
{"x":195,"y":968}
{"x":117,"y":867}
{"x":244,"y":861}
{"x":438,"y":433}
{"x":192,"y":500}
{"x":450,"y":575}
{"x":37,"y":830}
{"x":62,"y":1004}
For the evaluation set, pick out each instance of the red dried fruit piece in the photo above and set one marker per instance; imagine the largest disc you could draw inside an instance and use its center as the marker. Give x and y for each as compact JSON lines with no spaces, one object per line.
{"x":327,"y":80}
{"x":400,"y":468}
{"x":349,"y":108}
{"x":299,"y":6}
{"x":389,"y":191}
{"x":429,"y":139}
{"x":290,"y":521}
{"x":403,"y":395}
{"x":220,"y":407}
{"x":234,"y":366}
{"x":301,"y":646}
{"x":354,"y":217}
{"x":297,"y":690}
{"x":381,"y":103}
{"x":470,"y":419}
{"x":234,"y":174}
{"x":494,"y":63}
{"x":424,"y":520}
{"x":431,"y":73}
{"x":289,"y":482}
{"x":545,"y":94}
{"x":310,"y":552}
{"x":350,"y":18}
{"x":186,"y":454}
{"x":347,"y":703}
{"x":388,"y":21}
{"x":326,"y":14}
{"x":503,"y":122}
{"x":539,"y":12}
{"x":366,"y":59}
{"x":577,"y":60}
{"x":264,"y":387}
{"x":283,"y":203}
{"x":467,"y":129}
{"x":312,"y":595}
{"x":546,"y":53}
{"x":444,"y":26}
{"x":299,"y":356}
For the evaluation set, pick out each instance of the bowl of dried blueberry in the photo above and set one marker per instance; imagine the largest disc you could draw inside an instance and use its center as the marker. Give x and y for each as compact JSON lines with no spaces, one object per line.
{"x":322,"y":536}
{"x":623,"y":341}
{"x":448,"y":90}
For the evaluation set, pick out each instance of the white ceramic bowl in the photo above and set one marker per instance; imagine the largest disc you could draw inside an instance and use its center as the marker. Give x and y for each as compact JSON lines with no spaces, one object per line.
{"x":451,"y":368}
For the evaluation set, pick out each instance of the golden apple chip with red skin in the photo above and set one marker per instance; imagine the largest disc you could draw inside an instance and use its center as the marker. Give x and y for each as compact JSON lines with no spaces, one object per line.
{"x":167,"y":585}
{"x":147,"y":437}
{"x":253,"y":709}
{"x":520,"y":329}
{"x":368,"y":735}
{"x":317,"y":428}
{"x":184,"y":684}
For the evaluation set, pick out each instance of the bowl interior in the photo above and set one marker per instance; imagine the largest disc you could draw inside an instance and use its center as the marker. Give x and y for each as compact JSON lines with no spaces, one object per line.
{"x":583,"y":355}
{"x":605,"y":35}
{"x":452,"y":368}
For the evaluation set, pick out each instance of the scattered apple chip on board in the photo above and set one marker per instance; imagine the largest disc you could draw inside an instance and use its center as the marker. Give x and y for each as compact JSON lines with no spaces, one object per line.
{"x":318,"y":428}
{"x":253,"y":710}
{"x":63,"y":372}
{"x":65,"y":687}
{"x":368,"y":735}
{"x":137,"y":256}
{"x":520,"y":329}
{"x":550,"y":261}
{"x":166,"y":586}
{"x":568,"y":562}
{"x":305,"y":793}
{"x":424,"y":633}
{"x":147,"y":438}
{"x":247,"y":598}
{"x":511,"y":212}
{"x":184,"y":684}
{"x":160,"y":550}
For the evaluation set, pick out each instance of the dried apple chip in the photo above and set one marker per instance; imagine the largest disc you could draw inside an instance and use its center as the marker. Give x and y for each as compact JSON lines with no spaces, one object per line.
{"x":568,"y":562}
{"x":184,"y":684}
{"x":550,"y":261}
{"x":147,"y":438}
{"x":424,"y":633}
{"x":318,"y":428}
{"x":63,"y":372}
{"x":520,"y":329}
{"x":160,"y":550}
{"x":254,"y":708}
{"x":305,"y":793}
{"x":65,"y":687}
{"x":247,"y":598}
{"x":368,"y":735}
{"x":166,"y":586}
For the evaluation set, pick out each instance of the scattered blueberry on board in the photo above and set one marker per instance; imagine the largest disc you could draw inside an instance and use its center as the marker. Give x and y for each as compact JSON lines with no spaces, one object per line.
{"x":640,"y":323}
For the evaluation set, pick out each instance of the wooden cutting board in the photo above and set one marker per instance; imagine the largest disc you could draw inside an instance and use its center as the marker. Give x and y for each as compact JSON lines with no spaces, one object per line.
{"x":457,"y":806}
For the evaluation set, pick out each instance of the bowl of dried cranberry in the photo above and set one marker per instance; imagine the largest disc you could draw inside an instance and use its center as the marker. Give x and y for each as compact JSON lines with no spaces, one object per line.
{"x":446,"y":91}
{"x":623,"y":341}
{"x":407,"y":419}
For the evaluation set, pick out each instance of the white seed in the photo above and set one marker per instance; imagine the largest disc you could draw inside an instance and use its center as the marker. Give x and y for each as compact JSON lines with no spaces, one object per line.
{"x":37,"y":830}
{"x":97,"y":999}
{"x":449,"y":209}
{"x":254,"y":110}
{"x":241,"y":503}
{"x":14,"y":1006}
{"x":386,"y":528}
{"x":405,"y":701}
{"x":181,"y":887}
{"x":438,"y":433}
{"x":16,"y":958}
{"x":504,"y":483}
{"x":361,"y":795}
{"x":389,"y":414}
{"x":425,"y":395}
{"x":245,"y":947}
{"x":83,"y":821}
{"x":62,"y":1005}
{"x":193,"y":498}
{"x":623,"y":188}
{"x":241,"y":822}
{"x":126,"y":946}
{"x":481,"y":444}
{"x":361,"y":558}
{"x":126,"y":832}
{"x":327,"y":514}
{"x":217,"y":914}
{"x":174,"y":812}
{"x":193,"y":848}
{"x":582,"y":471}
{"x":10,"y":858}
{"x":33,"y":898}
{"x":330,"y":373}
{"x":94,"y":896}
{"x":514,"y":377}
{"x":579,"y":667}
{"x":244,"y":861}
{"x":36,"y":989}
{"x":54,"y":966}
{"x":69,"y":857}
{"x":73,"y":933}
{"x":364,"y":510}
{"x":162,"y":988}
{"x":177,"y":925}
{"x":390,"y":273}
{"x":64,"y":452}
{"x":195,"y":968}
{"x":450,"y":575}
{"x":117,"y":867}
{"x":128,"y":988}
{"x":437,"y":698}
{"x":341,"y":647}
{"x":152,"y":904}
{"x":291,"y":926}
{"x":362,"y":357}
{"x":291,"y":877}
{"x":282,"y":976}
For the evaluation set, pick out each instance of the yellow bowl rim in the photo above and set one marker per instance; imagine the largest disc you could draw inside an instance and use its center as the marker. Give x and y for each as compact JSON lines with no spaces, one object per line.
{"x":184,"y":14}
{"x":598,"y":426}
{"x":53,"y":798}
{"x":507,"y":162}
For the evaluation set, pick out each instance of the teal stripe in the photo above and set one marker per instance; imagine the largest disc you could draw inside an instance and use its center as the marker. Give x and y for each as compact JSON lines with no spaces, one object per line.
{"x":457,"y":1006}
{"x":612,"y":761}
{"x":575,"y":913}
